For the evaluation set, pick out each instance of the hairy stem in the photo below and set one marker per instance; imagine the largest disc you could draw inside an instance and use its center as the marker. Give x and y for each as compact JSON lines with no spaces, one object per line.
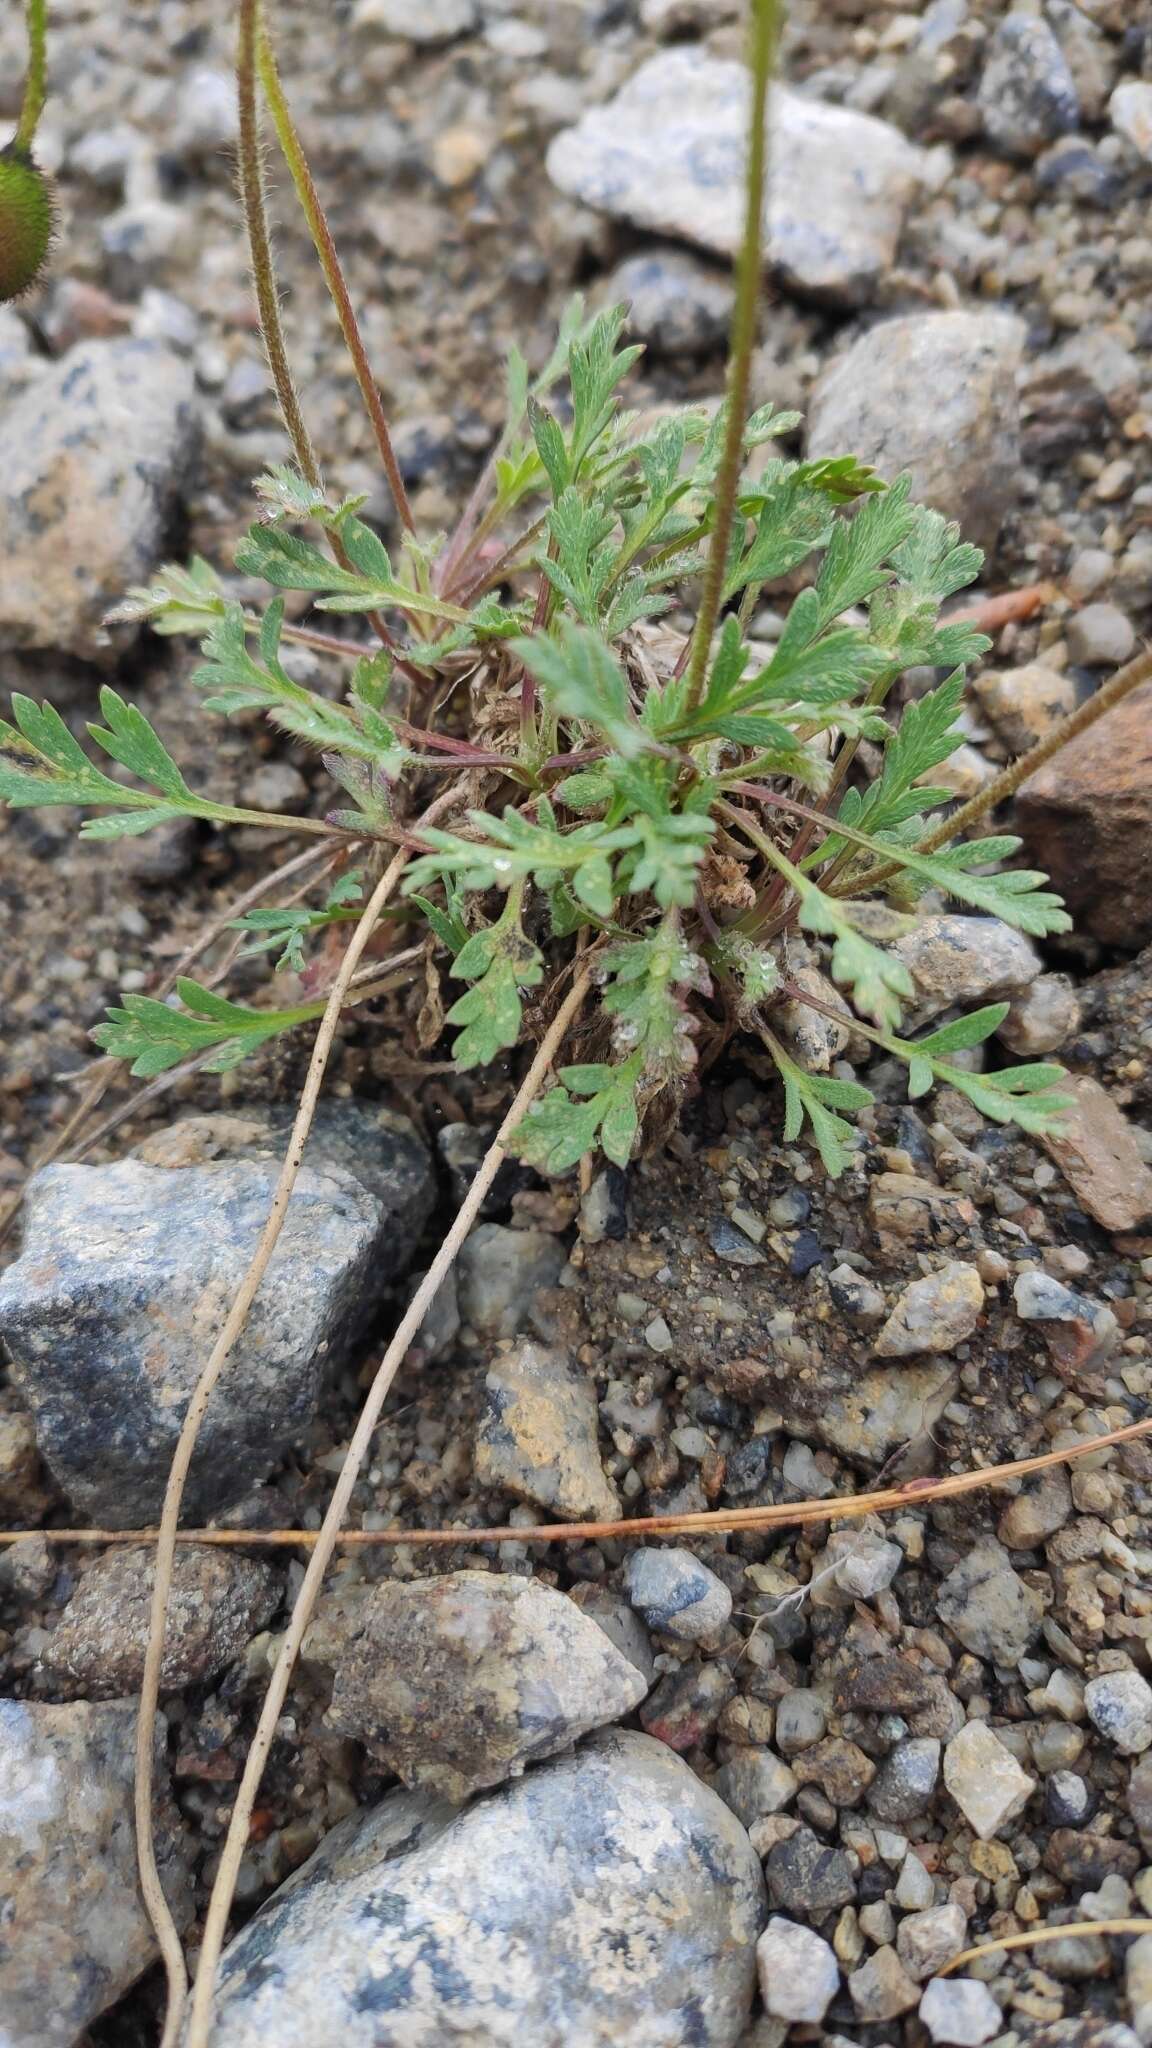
{"x":764,"y":37}
{"x":35,"y":77}
{"x":236,"y":1840}
{"x":254,"y":203}
{"x":154,"y":1899}
{"x":293,"y":153}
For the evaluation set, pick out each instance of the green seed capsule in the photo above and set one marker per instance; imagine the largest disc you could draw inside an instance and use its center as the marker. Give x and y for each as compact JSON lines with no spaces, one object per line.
{"x":26,"y":214}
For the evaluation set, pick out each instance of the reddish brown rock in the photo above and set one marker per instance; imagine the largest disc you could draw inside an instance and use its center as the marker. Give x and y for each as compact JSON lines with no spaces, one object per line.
{"x":1086,"y":818}
{"x":1095,"y":1148}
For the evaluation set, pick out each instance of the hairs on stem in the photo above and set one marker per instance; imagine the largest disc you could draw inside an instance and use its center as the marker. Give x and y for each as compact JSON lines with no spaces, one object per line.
{"x":764,"y":37}
{"x":35,"y":77}
{"x":293,"y":152}
{"x":254,"y":203}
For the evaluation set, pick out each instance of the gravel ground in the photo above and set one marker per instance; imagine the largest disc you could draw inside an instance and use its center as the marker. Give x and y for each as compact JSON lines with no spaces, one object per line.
{"x":936,"y":1728}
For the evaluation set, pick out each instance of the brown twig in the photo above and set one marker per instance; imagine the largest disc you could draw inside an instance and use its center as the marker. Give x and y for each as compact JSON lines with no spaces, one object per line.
{"x":706,"y":1523}
{"x":1041,"y":1934}
{"x":220,"y":1903}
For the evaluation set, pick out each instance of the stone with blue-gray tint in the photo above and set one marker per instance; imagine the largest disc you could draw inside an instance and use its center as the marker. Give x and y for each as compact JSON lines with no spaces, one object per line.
{"x":677,"y":1595}
{"x":607,"y":1897}
{"x":128,"y":1271}
{"x":667,"y":154}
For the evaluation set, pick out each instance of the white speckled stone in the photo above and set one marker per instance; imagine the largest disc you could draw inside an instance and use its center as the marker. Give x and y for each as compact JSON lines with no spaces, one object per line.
{"x":607,"y":1897}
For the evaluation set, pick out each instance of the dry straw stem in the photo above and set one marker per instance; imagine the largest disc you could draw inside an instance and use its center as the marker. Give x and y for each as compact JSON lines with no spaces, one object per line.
{"x":150,"y":1885}
{"x":1041,"y":1934}
{"x":713,"y":1522}
{"x":219,"y":1906}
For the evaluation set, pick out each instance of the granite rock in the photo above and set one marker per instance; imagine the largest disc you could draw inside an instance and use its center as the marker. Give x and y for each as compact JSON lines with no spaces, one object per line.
{"x":606,"y":1897}
{"x":219,"y":1600}
{"x":127,"y":1272}
{"x":933,"y":394}
{"x":96,"y":452}
{"x":667,"y":155}
{"x":985,"y":1779}
{"x":935,"y":1313}
{"x":76,"y":1934}
{"x":965,"y":960}
{"x":677,"y":1594}
{"x":499,"y":1274}
{"x":1027,"y":93}
{"x":537,"y":1435}
{"x":992,"y":1610}
{"x":460,"y":1682}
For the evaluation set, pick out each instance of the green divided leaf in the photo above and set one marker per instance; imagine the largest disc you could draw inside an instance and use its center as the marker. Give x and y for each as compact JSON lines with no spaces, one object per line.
{"x":819,"y":1098}
{"x":289,"y":927}
{"x":155,"y":1036}
{"x":182,"y":600}
{"x":582,"y":680}
{"x":500,"y":961}
{"x":562,"y":1129}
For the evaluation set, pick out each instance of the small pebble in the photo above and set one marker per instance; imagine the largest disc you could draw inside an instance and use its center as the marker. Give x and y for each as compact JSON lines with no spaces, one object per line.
{"x":960,"y":2012}
{"x":985,"y":1779}
{"x":677,"y":1595}
{"x":798,"y":1972}
{"x":1120,"y":1706}
{"x":1100,"y":636}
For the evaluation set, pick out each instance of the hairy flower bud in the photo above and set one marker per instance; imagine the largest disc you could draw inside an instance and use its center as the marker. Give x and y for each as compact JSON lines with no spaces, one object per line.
{"x":26,"y":216}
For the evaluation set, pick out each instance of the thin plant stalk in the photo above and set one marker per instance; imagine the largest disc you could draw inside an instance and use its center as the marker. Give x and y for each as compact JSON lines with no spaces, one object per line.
{"x":703,"y":1524}
{"x":764,"y":39}
{"x":293,"y":153}
{"x":1037,"y":1935}
{"x":255,"y":208}
{"x":235,"y":1843}
{"x":156,"y":1903}
{"x":35,"y":76}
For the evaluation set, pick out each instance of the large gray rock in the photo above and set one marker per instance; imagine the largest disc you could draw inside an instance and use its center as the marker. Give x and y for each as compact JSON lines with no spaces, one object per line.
{"x":934,"y":394}
{"x":127,"y":1273}
{"x":96,"y":451}
{"x":458,"y":1683}
{"x":609,"y":1897}
{"x":75,"y":1932}
{"x":667,"y":154}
